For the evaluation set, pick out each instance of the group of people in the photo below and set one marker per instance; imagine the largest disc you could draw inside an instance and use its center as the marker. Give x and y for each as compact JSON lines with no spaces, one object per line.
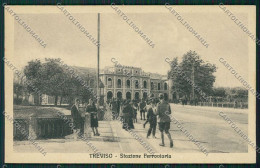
{"x":153,"y":111}
{"x":78,"y":118}
{"x":116,"y":106}
{"x":158,"y":111}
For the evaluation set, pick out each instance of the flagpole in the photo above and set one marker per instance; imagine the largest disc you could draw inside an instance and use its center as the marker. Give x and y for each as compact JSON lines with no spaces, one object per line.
{"x":98,"y":39}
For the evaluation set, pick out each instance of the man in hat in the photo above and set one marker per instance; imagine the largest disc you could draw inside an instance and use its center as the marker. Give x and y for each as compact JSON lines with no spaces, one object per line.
{"x":163,"y":111}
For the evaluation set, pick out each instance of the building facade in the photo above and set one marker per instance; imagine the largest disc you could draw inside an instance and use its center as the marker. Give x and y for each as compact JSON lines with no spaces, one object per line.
{"x":125,"y":82}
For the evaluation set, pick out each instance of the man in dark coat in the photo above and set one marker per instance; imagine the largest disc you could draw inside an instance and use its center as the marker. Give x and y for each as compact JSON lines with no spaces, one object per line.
{"x":77,"y":119}
{"x":127,"y":112}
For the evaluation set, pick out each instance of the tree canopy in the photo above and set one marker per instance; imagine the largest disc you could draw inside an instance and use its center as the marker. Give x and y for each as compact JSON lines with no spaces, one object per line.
{"x":53,"y":79}
{"x":192,"y":72}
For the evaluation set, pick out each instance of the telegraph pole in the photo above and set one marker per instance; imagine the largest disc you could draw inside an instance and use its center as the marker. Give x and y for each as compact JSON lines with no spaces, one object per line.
{"x":98,"y":40}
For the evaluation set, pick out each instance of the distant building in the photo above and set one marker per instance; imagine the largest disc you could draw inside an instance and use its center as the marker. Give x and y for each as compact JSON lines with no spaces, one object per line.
{"x":131,"y":82}
{"x":116,"y":82}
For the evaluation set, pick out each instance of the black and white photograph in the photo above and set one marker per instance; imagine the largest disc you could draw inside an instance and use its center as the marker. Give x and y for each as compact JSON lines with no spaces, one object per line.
{"x":130,"y":84}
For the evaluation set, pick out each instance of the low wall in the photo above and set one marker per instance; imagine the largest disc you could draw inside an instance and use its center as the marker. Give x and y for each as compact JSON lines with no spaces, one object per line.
{"x":36,"y":122}
{"x":41,"y":128}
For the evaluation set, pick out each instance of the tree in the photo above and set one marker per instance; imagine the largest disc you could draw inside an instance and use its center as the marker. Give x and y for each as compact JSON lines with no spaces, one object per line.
{"x":18,"y":91}
{"x":173,"y":75}
{"x":33,"y":79}
{"x":55,"y":80}
{"x":53,"y":76}
{"x":219,"y":92}
{"x":192,"y":74}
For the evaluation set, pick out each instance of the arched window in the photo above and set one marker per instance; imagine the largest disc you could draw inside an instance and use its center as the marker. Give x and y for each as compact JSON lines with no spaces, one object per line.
{"x":159,"y":86}
{"x":137,"y":96}
{"x":136,"y":84}
{"x":152,"y":87}
{"x":128,"y":95}
{"x":145,"y":84}
{"x":165,"y":86}
{"x":119,"y":95}
{"x":119,"y":83}
{"x":128,"y":83}
{"x":109,"y":82}
{"x":109,"y":95}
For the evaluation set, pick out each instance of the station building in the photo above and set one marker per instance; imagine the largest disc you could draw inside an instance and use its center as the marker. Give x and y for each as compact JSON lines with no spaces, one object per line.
{"x":133,"y":83}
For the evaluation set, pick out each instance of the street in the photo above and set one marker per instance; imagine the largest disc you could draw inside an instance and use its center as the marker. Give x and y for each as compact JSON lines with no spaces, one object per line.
{"x":203,"y":123}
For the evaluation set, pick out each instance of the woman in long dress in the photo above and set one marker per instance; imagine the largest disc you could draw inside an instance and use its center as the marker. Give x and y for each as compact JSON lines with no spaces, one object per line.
{"x":91,"y":108}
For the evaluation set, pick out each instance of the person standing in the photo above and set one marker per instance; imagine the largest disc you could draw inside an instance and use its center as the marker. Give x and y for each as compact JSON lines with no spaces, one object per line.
{"x":77,"y":119}
{"x":91,"y":108}
{"x":127,"y":112}
{"x":148,"y":105}
{"x":142,"y":109}
{"x":118,"y":105}
{"x":114,"y":108}
{"x":151,"y":118}
{"x":76,"y":116}
{"x":135,"y":108}
{"x":131,"y":116}
{"x":163,"y":111}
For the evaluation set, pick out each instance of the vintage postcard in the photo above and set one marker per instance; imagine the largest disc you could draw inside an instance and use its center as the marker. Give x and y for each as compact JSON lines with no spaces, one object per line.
{"x":130,"y":84}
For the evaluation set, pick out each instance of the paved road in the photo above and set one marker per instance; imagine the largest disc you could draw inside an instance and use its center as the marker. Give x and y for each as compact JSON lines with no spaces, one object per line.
{"x":207,"y":126}
{"x":203,"y":123}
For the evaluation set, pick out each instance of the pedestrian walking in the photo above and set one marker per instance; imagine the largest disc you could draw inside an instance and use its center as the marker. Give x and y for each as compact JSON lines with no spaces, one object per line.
{"x":91,"y":108}
{"x":163,"y":110}
{"x":151,"y":118}
{"x":149,"y":103}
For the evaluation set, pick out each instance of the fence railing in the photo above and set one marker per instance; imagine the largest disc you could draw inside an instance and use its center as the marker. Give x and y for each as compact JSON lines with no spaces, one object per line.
{"x":241,"y":105}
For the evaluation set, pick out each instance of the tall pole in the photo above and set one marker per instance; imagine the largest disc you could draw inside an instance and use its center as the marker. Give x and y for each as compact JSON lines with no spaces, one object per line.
{"x":98,"y":38}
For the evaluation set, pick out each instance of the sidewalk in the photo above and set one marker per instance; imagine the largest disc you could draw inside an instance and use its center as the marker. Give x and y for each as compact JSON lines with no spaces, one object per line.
{"x":114,"y":139}
{"x":181,"y":143}
{"x":128,"y":143}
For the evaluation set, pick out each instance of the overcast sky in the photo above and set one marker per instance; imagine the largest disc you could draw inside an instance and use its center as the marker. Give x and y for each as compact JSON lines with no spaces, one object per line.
{"x":118,"y":40}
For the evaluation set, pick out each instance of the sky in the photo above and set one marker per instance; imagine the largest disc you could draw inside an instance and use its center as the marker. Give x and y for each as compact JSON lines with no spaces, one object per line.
{"x":118,"y":40}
